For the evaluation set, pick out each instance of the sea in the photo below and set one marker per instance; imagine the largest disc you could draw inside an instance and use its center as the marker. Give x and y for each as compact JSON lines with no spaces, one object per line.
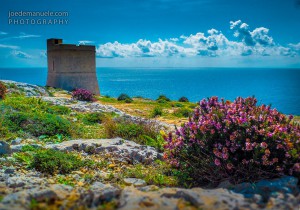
{"x":272,"y":86}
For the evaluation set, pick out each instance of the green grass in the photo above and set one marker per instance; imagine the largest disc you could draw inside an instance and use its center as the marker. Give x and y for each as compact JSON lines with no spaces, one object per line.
{"x":183,"y":112}
{"x":32,"y":118}
{"x":65,"y":181}
{"x":129,"y":130}
{"x":149,"y":108}
{"x":93,"y":118}
{"x":157,"y":111}
{"x":159,"y":174}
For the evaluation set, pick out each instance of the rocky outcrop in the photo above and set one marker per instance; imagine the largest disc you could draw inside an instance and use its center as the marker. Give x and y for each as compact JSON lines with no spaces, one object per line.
{"x":124,"y":150}
{"x":27,"y":89}
{"x":176,"y":198}
{"x":82,"y":106}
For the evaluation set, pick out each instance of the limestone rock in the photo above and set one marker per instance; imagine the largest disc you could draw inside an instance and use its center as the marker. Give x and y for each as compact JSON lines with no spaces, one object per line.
{"x":27,"y":89}
{"x":100,"y":193}
{"x":24,"y":197}
{"x":16,"y":141}
{"x":135,"y":182}
{"x":4,"y":148}
{"x":62,"y":191}
{"x":124,"y":150}
{"x":18,"y":148}
{"x":10,"y":170}
{"x":173,"y":198}
{"x":15,"y":200}
{"x":15,"y":181}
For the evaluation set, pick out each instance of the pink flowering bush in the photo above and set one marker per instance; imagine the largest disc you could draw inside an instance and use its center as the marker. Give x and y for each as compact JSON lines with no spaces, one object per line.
{"x":236,"y":141}
{"x":82,"y":95}
{"x":3,"y":90}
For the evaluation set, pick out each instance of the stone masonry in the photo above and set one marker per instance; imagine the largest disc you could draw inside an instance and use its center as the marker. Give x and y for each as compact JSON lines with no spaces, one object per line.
{"x":71,"y":66}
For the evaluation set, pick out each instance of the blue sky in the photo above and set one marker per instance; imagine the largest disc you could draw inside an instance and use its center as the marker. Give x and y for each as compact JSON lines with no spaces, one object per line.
{"x":158,"y":33}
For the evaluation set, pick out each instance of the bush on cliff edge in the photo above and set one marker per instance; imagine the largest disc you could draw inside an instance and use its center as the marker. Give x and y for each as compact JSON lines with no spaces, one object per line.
{"x":3,"y":90}
{"x":82,"y":95}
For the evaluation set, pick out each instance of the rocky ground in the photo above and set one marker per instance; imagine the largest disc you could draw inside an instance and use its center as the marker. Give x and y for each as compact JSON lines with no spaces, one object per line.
{"x":19,"y":186}
{"x":107,"y":187}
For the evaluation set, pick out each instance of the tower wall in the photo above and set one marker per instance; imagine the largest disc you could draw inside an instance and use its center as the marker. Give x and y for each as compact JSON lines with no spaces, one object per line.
{"x":71,"y":66}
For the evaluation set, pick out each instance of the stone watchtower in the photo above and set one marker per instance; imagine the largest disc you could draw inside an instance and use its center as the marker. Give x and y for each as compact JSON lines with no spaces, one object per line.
{"x":71,"y":66}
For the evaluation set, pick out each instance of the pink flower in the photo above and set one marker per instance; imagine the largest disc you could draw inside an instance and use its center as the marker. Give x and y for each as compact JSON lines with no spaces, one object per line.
{"x":267,"y":152}
{"x":225,"y":156}
{"x":248,"y":146}
{"x":229,"y":166}
{"x":264,"y":144}
{"x":244,"y":161}
{"x":279,"y":146}
{"x":217,"y":162}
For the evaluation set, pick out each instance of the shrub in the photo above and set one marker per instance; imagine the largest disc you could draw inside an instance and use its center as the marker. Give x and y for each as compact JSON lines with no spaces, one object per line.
{"x":52,"y":161}
{"x":83,"y":95}
{"x":177,"y":105}
{"x":162,"y":98}
{"x":59,"y":110}
{"x":129,"y":130}
{"x":37,"y":124}
{"x":93,"y":118}
{"x":157,"y":142}
{"x":127,"y":100}
{"x":183,"y":99}
{"x":157,"y":111}
{"x":125,"y":97}
{"x":182,"y":112}
{"x":3,"y":90}
{"x":238,"y":140}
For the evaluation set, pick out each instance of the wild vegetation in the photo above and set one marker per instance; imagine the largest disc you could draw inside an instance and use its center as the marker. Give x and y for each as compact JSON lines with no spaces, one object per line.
{"x":237,"y":141}
{"x":215,"y":140}
{"x":82,"y":95}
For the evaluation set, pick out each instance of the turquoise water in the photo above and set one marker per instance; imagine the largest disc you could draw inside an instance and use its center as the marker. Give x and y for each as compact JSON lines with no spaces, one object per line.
{"x":279,"y":87}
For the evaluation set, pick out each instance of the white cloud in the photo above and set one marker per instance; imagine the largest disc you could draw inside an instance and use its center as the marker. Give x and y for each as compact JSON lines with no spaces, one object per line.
{"x":295,"y":47}
{"x":142,"y":48}
{"x":258,"y":36}
{"x":214,"y":43}
{"x":85,"y":42}
{"x":43,"y":54}
{"x":3,"y":33}
{"x":174,"y":39}
{"x":22,"y":35}
{"x":20,"y":54}
{"x":9,"y":46}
